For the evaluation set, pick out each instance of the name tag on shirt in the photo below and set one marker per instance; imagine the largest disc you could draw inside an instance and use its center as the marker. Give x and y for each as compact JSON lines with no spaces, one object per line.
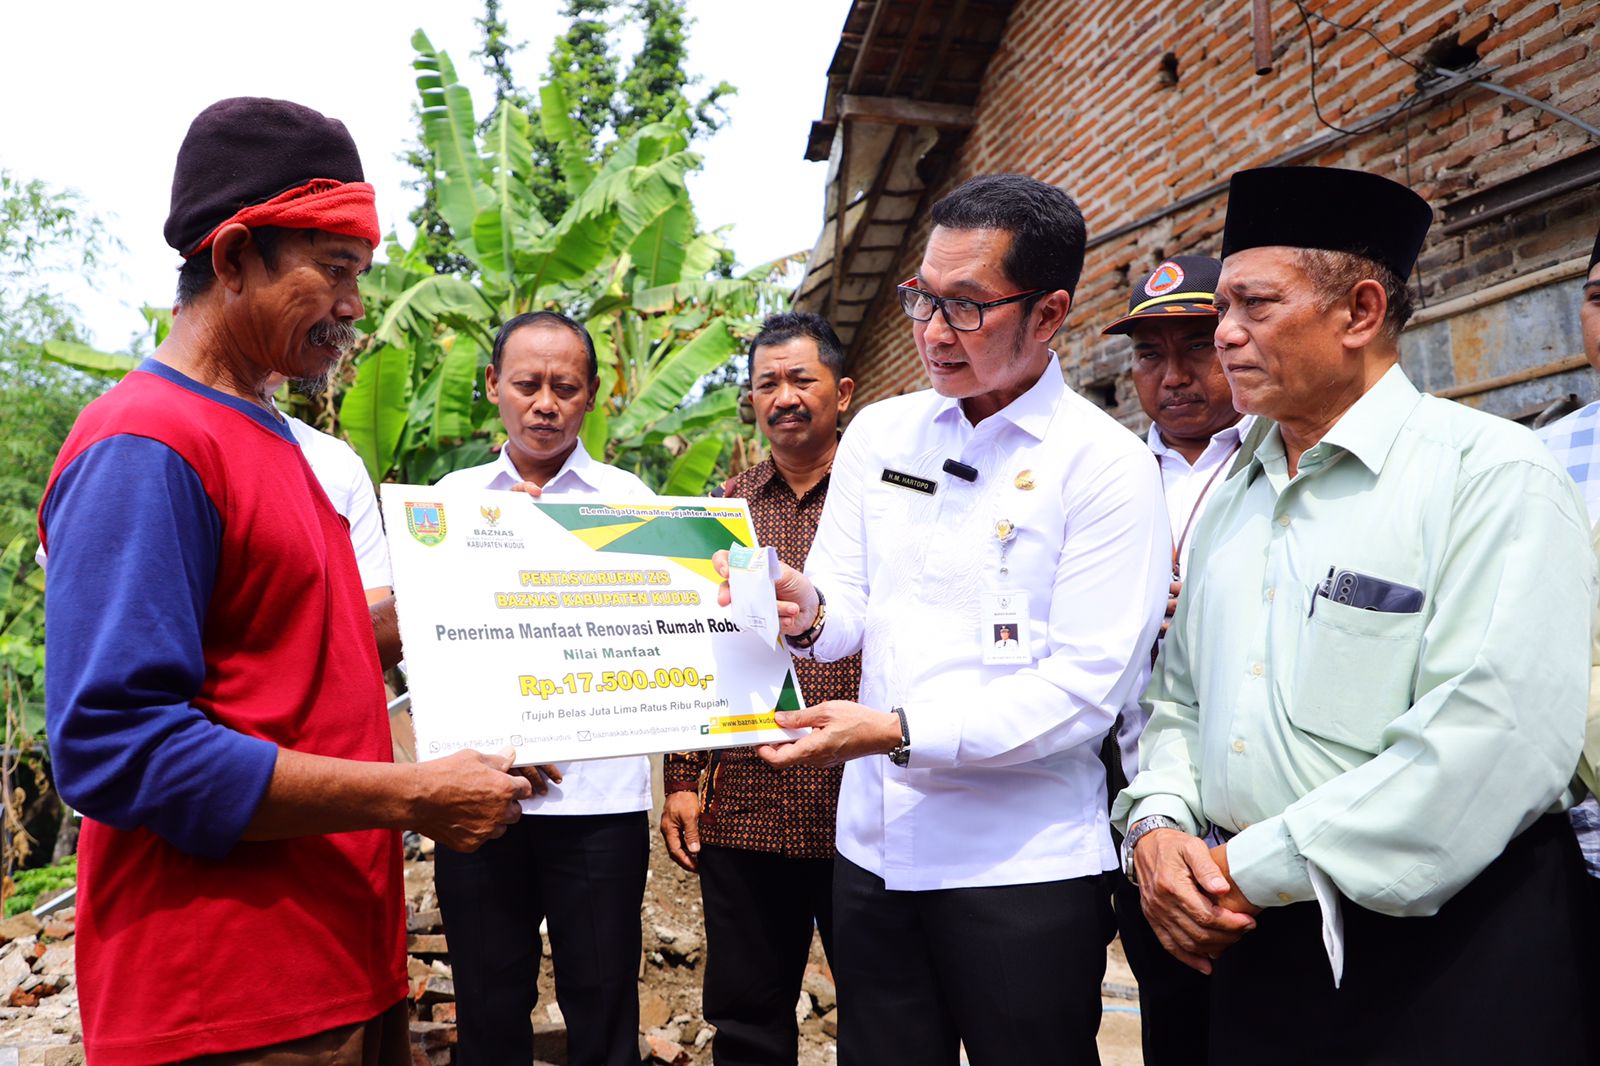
{"x":910,"y":481}
{"x":1004,"y":633}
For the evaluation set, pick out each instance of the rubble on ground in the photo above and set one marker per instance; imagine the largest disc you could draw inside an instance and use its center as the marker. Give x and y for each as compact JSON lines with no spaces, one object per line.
{"x":39,"y":998}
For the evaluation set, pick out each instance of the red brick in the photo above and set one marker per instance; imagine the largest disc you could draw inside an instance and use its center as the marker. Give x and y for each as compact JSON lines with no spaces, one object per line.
{"x":1072,"y":97}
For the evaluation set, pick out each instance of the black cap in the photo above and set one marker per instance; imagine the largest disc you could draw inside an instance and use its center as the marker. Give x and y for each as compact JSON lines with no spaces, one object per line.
{"x":1594,"y":256}
{"x":246,"y":150}
{"x":1327,"y":208}
{"x":1184,"y":286}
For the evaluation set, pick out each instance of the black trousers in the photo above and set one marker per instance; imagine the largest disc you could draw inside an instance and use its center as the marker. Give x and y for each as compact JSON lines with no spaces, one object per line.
{"x":1013,"y":971}
{"x":1174,"y":1001}
{"x":1589,"y":896}
{"x":1494,"y":977}
{"x":760,"y":910}
{"x":586,"y":874}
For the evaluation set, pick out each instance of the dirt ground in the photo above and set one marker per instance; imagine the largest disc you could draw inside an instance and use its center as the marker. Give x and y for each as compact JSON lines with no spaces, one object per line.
{"x":48,"y":1034}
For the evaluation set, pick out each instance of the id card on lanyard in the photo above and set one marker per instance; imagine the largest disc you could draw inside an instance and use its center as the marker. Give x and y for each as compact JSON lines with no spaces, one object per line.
{"x":1003,"y":633}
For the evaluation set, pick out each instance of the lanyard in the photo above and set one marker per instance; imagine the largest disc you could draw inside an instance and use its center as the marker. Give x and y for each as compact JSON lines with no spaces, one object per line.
{"x":1177,"y":549}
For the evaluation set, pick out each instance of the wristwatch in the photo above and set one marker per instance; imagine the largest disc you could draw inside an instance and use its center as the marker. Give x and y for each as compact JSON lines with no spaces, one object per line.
{"x":1136,"y":832}
{"x":804,"y":640}
{"x":900,"y":754}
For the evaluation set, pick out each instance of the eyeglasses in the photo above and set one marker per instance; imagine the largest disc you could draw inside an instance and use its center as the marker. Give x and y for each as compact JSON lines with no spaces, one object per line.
{"x":960,"y":313}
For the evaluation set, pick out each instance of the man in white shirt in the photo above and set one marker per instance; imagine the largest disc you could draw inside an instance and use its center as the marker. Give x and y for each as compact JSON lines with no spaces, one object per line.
{"x":1196,"y":435}
{"x":579,"y":855}
{"x":970,"y":904}
{"x":343,"y":477}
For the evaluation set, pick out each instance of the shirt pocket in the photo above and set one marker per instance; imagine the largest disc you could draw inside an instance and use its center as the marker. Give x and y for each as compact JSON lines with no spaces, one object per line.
{"x":1354,"y":673}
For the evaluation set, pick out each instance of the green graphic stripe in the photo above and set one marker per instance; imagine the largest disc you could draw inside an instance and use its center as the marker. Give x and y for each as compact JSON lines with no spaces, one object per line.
{"x":788,"y":699}
{"x":677,"y":538}
{"x":669,"y":538}
{"x":566,"y":515}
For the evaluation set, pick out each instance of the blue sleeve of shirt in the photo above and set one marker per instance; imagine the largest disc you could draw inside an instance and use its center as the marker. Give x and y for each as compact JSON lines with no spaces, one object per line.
{"x":133,"y":543}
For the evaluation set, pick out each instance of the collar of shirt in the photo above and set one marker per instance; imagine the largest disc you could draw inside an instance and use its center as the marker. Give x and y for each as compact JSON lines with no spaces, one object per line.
{"x":765,"y":477}
{"x":1367,"y":430}
{"x":1575,"y":443}
{"x":1031,"y":412}
{"x":1223,"y":442}
{"x":579,"y":467}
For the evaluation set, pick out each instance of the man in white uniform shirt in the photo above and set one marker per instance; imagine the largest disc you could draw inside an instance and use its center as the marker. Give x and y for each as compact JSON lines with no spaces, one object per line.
{"x":343,"y":477}
{"x":578,"y":857}
{"x":1196,"y":436}
{"x":970,"y":905}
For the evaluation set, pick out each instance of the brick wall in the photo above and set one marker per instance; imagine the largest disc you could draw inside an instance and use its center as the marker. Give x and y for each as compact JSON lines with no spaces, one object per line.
{"x":1079,"y":95}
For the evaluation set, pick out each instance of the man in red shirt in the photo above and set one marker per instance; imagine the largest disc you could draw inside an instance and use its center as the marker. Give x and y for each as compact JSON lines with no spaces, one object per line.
{"x":213,"y":695}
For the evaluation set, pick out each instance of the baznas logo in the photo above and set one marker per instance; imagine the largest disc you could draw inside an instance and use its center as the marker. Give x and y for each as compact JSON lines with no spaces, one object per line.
{"x":491,"y":515}
{"x":1167,"y":278}
{"x":426,"y":522}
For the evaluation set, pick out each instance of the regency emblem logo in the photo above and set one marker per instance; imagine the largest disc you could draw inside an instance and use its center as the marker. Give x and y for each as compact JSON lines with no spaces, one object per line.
{"x":426,"y":522}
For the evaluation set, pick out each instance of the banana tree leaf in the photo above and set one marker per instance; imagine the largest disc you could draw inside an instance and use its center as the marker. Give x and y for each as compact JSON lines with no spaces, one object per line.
{"x":701,"y":256}
{"x":773,"y":270}
{"x":511,"y":219}
{"x":436,"y":299}
{"x":737,"y":296}
{"x":419,"y":417}
{"x":596,"y":431}
{"x":449,"y":131}
{"x":458,"y":378}
{"x":427,"y":465}
{"x":693,"y":468}
{"x":659,"y":251}
{"x":83,"y":357}
{"x":668,"y":382}
{"x":623,"y":199}
{"x":647,"y":145}
{"x":384,"y":284}
{"x":645,"y":194}
{"x":576,"y":245}
{"x":160,"y":318}
{"x":573,"y":148}
{"x":373,"y":413}
{"x":715,"y":406}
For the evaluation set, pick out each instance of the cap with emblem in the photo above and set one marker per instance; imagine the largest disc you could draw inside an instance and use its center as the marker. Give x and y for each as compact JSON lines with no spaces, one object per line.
{"x":1183,"y":286}
{"x":1329,"y":209}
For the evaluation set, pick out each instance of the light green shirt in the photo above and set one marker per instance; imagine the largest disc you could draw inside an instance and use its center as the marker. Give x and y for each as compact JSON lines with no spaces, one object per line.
{"x":1399,"y":753}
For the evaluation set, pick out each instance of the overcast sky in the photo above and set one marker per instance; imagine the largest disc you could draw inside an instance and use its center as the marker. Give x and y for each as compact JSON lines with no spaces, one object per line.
{"x":101,"y":92}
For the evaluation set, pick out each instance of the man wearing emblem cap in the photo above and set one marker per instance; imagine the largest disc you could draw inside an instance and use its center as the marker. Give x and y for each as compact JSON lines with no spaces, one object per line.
{"x":213,"y":696}
{"x":1575,"y":443}
{"x":1196,"y":437}
{"x":1375,"y":684}
{"x":969,"y":902}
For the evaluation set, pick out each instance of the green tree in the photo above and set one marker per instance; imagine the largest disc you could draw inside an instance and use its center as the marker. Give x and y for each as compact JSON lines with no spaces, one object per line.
{"x":44,"y":234}
{"x":626,"y":256}
{"x":605,"y":104}
{"x":655,"y":83}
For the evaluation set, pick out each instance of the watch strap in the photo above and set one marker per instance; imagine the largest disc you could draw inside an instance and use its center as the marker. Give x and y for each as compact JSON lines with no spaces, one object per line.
{"x":900,"y":754}
{"x":1136,"y":832}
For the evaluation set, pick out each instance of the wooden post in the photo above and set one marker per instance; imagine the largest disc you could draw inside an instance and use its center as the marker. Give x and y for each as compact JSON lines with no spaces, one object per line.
{"x":1261,"y":31}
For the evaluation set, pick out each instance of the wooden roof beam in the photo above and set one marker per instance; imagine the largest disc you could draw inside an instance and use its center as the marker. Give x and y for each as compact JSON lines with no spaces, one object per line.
{"x":904,"y":111}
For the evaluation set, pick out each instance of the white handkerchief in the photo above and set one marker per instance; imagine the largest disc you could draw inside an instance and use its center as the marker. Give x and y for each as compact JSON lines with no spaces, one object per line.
{"x":751,"y":573}
{"x":1332,"y":919}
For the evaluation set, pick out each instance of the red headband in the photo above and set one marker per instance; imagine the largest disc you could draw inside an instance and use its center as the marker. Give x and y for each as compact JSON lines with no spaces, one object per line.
{"x":346,"y":208}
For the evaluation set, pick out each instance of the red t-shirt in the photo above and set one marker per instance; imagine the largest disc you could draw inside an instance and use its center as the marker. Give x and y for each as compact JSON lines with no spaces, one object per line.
{"x":217,"y":944}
